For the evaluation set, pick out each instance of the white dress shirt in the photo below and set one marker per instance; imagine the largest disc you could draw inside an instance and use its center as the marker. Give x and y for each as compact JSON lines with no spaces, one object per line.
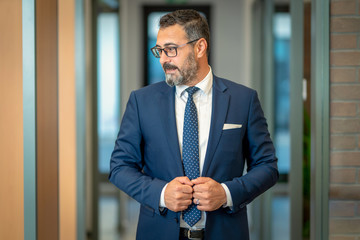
{"x":203,"y":101}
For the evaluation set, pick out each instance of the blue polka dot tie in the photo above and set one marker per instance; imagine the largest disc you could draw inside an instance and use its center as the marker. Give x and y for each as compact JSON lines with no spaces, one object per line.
{"x":191,"y":152}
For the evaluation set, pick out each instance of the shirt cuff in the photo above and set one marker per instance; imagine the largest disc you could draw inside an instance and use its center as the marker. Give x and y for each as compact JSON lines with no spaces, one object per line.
{"x":162,"y":198}
{"x":229,"y":202}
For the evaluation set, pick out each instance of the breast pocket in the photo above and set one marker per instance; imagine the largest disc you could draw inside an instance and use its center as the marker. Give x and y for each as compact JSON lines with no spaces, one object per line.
{"x":231,"y":141}
{"x":237,"y":131}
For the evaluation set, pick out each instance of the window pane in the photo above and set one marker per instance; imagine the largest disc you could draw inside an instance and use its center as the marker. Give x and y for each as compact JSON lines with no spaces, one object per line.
{"x":155,"y":71}
{"x":108,"y":86}
{"x":280,"y":198}
{"x":282,"y":33}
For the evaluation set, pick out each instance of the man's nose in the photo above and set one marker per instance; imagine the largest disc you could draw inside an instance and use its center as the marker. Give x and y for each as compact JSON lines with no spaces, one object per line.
{"x":164,"y":58}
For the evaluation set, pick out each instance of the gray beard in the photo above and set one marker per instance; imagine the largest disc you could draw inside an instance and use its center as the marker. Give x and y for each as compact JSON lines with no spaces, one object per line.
{"x":186,"y":76}
{"x":174,"y":81}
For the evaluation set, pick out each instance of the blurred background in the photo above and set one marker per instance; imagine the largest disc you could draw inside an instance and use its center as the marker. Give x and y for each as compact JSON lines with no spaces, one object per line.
{"x":69,"y":66}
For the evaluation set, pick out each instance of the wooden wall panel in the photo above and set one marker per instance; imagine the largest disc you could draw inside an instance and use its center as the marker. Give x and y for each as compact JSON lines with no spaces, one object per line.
{"x":11,"y":122}
{"x":47,"y":120}
{"x":67,"y":120}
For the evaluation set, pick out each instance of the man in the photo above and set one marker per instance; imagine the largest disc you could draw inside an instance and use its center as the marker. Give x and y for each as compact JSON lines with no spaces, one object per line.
{"x":182,"y":146}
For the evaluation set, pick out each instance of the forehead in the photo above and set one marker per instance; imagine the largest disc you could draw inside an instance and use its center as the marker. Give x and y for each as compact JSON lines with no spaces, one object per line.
{"x":173,"y":34}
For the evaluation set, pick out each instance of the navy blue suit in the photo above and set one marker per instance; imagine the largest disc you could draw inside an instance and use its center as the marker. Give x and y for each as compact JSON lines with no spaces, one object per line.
{"x":147,"y":156}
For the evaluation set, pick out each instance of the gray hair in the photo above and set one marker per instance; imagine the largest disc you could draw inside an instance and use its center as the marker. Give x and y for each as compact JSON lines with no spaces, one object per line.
{"x":195,"y":25}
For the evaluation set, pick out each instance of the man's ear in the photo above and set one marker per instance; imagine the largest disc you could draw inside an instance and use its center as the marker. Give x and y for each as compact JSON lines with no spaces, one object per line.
{"x":201,"y":47}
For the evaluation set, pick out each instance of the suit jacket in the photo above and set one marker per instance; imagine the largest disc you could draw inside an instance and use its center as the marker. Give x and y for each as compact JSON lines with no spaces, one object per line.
{"x":147,"y":156}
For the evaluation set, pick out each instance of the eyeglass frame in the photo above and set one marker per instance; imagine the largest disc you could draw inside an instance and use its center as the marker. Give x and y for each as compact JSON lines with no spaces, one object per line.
{"x":153,"y":49}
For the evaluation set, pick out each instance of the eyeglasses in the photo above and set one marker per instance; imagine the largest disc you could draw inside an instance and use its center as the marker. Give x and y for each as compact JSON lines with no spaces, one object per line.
{"x":170,"y":51}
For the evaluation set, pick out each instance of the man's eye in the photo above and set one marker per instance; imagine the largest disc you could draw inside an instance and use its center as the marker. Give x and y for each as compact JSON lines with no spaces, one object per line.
{"x":170,"y":49}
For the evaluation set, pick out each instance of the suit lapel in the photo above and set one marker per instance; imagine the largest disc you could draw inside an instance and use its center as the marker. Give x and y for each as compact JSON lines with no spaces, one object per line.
{"x":220,"y":104}
{"x":167,"y":115}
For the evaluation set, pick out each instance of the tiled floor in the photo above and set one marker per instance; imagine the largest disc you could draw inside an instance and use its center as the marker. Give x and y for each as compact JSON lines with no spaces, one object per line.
{"x":109,"y":219}
{"x":280,"y":218}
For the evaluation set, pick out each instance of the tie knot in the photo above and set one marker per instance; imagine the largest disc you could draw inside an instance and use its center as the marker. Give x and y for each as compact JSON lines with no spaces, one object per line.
{"x":191,"y":91}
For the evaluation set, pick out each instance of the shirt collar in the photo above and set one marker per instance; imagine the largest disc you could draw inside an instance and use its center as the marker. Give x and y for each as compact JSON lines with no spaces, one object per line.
{"x":205,"y":85}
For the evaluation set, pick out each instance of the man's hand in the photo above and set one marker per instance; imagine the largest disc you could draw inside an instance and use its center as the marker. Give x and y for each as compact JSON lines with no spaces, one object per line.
{"x":178,"y":194}
{"x":208,"y":194}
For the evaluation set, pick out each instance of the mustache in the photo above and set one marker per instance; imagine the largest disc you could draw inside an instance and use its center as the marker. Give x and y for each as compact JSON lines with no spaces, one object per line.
{"x":168,"y":66}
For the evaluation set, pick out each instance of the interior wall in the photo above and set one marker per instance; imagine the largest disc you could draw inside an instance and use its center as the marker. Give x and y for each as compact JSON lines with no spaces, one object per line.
{"x":13,"y":87}
{"x":47,"y":120}
{"x":11,"y":122}
{"x":231,"y":45}
{"x":344,"y":192}
{"x":67,"y":120}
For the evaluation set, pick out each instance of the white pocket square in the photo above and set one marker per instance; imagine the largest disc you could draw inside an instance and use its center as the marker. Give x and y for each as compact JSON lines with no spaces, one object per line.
{"x":231,"y":126}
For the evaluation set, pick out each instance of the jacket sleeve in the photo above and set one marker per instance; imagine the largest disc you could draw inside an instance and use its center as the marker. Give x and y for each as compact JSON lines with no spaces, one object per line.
{"x":262,"y":172}
{"x":126,"y":164}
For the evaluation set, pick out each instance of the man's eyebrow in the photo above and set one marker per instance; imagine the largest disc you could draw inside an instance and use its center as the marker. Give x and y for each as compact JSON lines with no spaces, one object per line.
{"x":166,"y":44}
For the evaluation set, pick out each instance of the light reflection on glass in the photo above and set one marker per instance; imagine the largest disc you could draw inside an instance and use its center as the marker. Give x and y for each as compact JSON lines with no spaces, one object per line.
{"x":108,"y":86}
{"x":282,"y":31}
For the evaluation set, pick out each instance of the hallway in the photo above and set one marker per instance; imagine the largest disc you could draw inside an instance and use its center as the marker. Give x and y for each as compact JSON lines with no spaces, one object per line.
{"x":68,"y":67}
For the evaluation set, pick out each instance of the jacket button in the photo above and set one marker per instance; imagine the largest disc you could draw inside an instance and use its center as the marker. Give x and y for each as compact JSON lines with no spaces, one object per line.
{"x":176,"y":220}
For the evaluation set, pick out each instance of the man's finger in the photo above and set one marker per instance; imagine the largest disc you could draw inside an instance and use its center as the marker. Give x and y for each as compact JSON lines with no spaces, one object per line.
{"x":196,"y":201}
{"x":185,"y":180}
{"x":184,"y":189}
{"x":201,"y":180}
{"x":200,"y":188}
{"x":197,"y":195}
